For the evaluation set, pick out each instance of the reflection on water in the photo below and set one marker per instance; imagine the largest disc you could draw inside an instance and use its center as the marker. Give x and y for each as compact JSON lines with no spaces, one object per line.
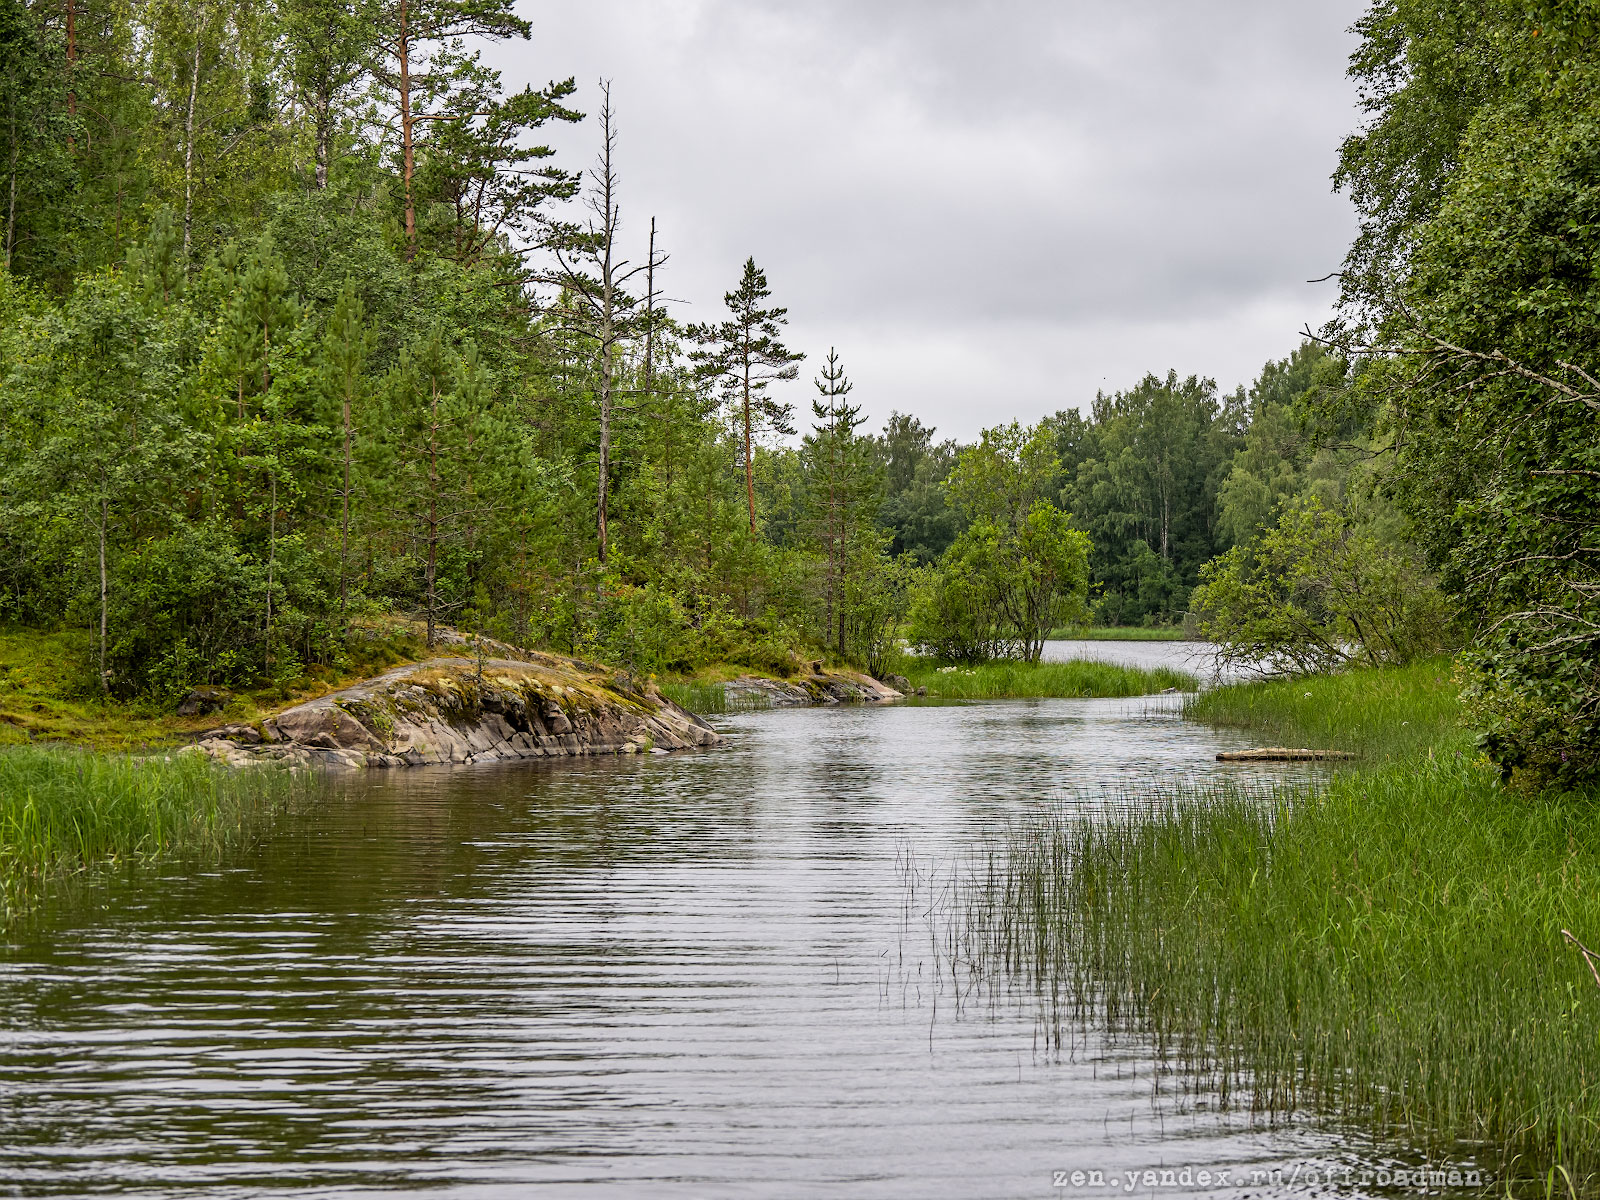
{"x":679,"y":976}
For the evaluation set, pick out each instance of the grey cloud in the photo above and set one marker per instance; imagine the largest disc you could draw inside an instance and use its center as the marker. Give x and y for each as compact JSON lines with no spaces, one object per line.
{"x":1149,"y":179}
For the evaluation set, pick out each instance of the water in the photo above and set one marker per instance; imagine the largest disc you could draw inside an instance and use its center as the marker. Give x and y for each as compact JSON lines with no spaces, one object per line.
{"x":1198,"y":658}
{"x":692,"y":975}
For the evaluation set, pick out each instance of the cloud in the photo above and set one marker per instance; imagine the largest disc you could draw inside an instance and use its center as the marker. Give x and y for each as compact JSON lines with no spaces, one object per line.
{"x":985,"y":207}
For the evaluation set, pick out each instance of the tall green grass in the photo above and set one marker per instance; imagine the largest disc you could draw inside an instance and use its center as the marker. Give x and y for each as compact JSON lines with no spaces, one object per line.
{"x":1386,"y":950}
{"x":701,"y":698}
{"x":1374,"y":713}
{"x":63,"y":811}
{"x":1119,"y":633}
{"x":1383,"y":948}
{"x":1010,"y":680}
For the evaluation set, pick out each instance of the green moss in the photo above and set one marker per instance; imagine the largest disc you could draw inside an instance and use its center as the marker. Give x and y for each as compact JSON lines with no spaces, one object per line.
{"x":48,"y":692}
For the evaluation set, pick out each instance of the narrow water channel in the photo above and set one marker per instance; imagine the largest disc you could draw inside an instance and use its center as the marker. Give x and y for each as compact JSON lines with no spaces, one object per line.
{"x":656,"y":976}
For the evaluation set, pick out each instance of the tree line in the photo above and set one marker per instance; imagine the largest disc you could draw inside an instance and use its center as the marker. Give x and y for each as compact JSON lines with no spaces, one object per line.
{"x":301,"y":323}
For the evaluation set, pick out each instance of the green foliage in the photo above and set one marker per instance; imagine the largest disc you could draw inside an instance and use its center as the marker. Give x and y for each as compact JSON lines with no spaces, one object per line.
{"x":916,"y":511}
{"x":1473,"y":291}
{"x":1018,"y":570}
{"x":1316,"y":593}
{"x":1141,"y":477}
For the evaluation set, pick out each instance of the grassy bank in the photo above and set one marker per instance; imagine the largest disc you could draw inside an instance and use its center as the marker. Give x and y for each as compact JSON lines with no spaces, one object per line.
{"x":64,"y":811}
{"x":1376,"y":714}
{"x":1011,"y":680}
{"x":48,"y":691}
{"x":1385,"y":948}
{"x":1118,"y":633}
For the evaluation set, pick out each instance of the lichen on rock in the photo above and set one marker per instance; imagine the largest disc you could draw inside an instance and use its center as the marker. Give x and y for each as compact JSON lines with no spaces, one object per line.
{"x":458,"y":710}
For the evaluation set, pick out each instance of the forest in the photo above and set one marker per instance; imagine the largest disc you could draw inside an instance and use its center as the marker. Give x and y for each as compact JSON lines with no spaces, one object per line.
{"x":301,"y":325}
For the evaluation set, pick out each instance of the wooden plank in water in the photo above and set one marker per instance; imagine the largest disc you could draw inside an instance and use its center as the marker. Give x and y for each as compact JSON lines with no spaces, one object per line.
{"x":1281,"y":754}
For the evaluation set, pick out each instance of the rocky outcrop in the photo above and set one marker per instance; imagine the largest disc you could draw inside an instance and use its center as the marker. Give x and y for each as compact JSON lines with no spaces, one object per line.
{"x":818,"y":687}
{"x":456,"y":710}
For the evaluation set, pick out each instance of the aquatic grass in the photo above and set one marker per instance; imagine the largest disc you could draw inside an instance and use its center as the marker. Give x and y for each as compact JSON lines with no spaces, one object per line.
{"x":63,"y":811}
{"x":700,"y":698}
{"x":1375,"y":712}
{"x":1385,"y":950}
{"x":1075,"y":679}
{"x":1120,"y":633}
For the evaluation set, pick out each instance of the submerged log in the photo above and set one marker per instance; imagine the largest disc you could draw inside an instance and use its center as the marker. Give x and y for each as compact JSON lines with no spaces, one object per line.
{"x":1282,"y":754}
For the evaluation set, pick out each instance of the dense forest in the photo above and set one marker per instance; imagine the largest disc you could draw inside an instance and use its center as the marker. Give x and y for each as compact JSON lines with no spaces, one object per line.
{"x":300,"y":325}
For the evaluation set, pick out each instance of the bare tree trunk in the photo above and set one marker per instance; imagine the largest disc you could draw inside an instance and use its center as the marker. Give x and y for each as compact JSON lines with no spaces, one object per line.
{"x":649,"y":352}
{"x":105,"y":591}
{"x":749,"y":469}
{"x":272,"y":556}
{"x":608,"y":323}
{"x":72,"y":63}
{"x":407,"y":150}
{"x":11,"y":205}
{"x":344,"y":519}
{"x":433,"y":513}
{"x":324,"y":138}
{"x":188,"y":142}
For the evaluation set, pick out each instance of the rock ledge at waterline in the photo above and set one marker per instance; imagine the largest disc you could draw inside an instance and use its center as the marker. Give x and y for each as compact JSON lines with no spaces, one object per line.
{"x":444,"y":711}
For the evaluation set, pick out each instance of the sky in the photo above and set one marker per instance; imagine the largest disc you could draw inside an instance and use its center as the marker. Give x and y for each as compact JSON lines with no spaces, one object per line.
{"x":991,"y":210}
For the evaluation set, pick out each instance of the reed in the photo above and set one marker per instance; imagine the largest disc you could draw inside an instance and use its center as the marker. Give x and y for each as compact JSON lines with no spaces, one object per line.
{"x":701,"y":698}
{"x":64,"y":811}
{"x":1384,"y":948}
{"x":1120,"y":633}
{"x":1374,"y":713}
{"x":1013,"y":680}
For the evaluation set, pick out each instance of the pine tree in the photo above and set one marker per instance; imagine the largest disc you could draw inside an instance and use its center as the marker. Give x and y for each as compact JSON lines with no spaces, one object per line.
{"x":843,"y":482}
{"x":743,"y":356}
{"x":420,"y":63}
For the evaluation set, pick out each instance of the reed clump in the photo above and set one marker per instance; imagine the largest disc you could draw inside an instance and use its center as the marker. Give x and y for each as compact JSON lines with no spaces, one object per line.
{"x":701,"y":698}
{"x":1120,"y":633}
{"x":1078,"y":679}
{"x":64,"y":811}
{"x":1385,"y":948}
{"x":1375,"y":713}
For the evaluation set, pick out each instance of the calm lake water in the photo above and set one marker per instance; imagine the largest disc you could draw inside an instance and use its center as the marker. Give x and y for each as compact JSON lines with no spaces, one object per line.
{"x":693,"y":975}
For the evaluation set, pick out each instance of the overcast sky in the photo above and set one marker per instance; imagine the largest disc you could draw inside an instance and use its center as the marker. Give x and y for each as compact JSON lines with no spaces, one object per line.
{"x":992,"y":210}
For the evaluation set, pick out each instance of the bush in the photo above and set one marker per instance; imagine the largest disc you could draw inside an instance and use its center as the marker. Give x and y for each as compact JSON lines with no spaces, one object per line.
{"x":1316,"y":593}
{"x":186,"y":609}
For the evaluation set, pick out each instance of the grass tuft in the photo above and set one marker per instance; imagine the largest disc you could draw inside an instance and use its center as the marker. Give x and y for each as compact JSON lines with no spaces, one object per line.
{"x":63,"y":811}
{"x":1015,"y":680}
{"x":699,"y":698}
{"x":1120,"y":633}
{"x":1386,"y":950}
{"x":1374,"y":713}
{"x":1383,"y":948}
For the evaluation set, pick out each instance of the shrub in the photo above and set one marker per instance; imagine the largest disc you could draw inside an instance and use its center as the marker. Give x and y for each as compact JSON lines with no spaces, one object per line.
{"x":1316,"y":593}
